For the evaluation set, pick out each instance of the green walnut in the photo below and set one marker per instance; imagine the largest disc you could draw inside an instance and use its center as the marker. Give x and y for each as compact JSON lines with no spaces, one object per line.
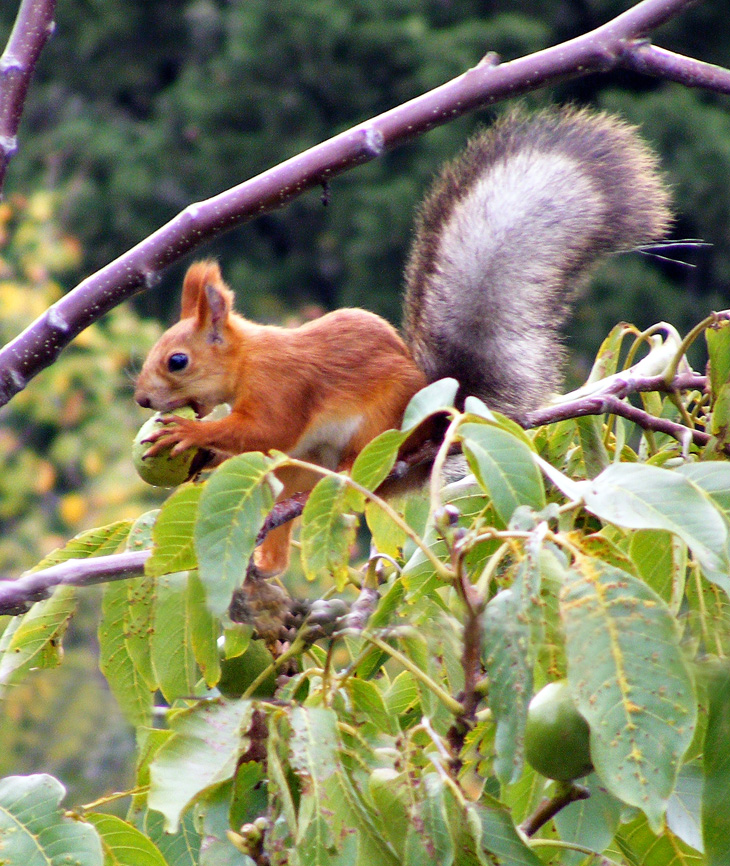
{"x":556,"y":735}
{"x":163,"y":469}
{"x":238,"y":672}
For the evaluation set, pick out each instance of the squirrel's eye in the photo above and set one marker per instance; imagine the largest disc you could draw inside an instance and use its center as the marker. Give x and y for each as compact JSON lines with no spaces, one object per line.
{"x":177,"y":361}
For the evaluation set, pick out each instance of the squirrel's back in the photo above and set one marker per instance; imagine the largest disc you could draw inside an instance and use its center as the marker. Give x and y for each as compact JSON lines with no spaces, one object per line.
{"x":507,"y":236}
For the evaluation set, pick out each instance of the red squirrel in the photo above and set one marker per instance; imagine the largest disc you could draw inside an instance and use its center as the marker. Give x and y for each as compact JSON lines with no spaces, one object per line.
{"x":506,"y":237}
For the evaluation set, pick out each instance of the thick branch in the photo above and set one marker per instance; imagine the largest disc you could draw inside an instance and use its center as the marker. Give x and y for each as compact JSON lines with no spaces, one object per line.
{"x":33,"y":25}
{"x":608,"y":47}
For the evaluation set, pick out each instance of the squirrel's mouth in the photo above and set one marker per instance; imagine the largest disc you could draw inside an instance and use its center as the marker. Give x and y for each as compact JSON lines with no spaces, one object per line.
{"x":197,"y":408}
{"x":170,"y":406}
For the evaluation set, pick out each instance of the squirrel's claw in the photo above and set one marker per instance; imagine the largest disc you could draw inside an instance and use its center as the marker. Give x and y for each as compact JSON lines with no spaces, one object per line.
{"x":177,"y":434}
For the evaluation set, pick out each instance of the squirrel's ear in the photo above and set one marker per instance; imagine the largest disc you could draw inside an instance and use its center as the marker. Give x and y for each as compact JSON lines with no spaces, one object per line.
{"x":198,"y":276}
{"x":214,"y":307}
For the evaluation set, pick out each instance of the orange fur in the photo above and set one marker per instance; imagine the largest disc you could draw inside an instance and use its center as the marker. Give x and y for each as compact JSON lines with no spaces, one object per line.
{"x":320,"y":392}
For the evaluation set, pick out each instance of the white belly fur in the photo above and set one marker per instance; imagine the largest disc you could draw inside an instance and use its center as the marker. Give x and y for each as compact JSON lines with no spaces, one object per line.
{"x":325,"y":443}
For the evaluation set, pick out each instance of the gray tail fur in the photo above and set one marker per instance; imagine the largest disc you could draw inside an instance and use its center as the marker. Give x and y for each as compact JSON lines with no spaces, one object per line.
{"x":508,"y":235}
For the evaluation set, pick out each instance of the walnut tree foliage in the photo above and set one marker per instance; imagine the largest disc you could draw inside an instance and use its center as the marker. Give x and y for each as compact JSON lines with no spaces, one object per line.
{"x":581,"y":550}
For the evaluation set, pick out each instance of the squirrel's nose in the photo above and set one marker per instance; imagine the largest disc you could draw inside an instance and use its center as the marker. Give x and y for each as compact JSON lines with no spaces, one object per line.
{"x":143,"y":401}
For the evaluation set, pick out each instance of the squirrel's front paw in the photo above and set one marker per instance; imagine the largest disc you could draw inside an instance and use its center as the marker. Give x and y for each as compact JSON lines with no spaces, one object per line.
{"x":178,"y":434}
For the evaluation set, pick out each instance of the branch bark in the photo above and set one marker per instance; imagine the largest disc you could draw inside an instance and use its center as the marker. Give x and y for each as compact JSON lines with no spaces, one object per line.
{"x":33,"y":25}
{"x":618,"y":44}
{"x":16,"y":596}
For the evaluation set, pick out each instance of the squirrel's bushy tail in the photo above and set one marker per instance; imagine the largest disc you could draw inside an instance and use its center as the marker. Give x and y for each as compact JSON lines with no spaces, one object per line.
{"x":507,"y":235}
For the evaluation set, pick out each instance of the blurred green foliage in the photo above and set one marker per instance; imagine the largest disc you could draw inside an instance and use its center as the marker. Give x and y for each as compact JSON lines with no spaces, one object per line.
{"x":65,"y":441}
{"x":139,"y":108}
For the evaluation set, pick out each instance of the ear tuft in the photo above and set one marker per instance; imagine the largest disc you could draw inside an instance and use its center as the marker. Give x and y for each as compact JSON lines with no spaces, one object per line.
{"x":198,"y":276}
{"x":214,"y":307}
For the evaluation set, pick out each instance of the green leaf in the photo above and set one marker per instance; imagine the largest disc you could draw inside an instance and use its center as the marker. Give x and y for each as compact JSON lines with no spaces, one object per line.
{"x":716,"y":762}
{"x":249,"y":796}
{"x":431,"y":811}
{"x":214,"y":818}
{"x":637,"y":496}
{"x":415,"y":646}
{"x":484,"y":833}
{"x":327,"y":532}
{"x":629,"y":680}
{"x":368,"y":700}
{"x":387,"y":536}
{"x":181,"y":848}
{"x":100,"y":541}
{"x":204,"y":751}
{"x":661,"y":560}
{"x":712,"y":476}
{"x":331,"y":807}
{"x":591,"y":823}
{"x":377,"y":458}
{"x":595,"y":457}
{"x":140,"y":535}
{"x":204,"y":630}
{"x":402,"y":694}
{"x":644,"y":847}
{"x":123,"y":843}
{"x":434,"y":397}
{"x":718,"y":347}
{"x":232,"y":508}
{"x":34,"y":831}
{"x":507,"y":661}
{"x":128,"y":681}
{"x":138,"y":626}
{"x":504,"y":467}
{"x":684,"y":812}
{"x":35,"y":639}
{"x":174,"y":549}
{"x":138,"y":621}
{"x":499,"y":835}
{"x":173,"y":659}
{"x":391,"y":794}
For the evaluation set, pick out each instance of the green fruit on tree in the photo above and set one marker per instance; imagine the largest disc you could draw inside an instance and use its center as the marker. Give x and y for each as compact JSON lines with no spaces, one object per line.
{"x":162,"y":469}
{"x":557,"y":737}
{"x":238,"y":672}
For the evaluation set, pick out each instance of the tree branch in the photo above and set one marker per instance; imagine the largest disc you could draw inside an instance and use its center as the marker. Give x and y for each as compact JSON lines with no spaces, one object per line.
{"x":610,"y":46}
{"x":33,"y":25}
{"x":16,"y":596}
{"x":607,"y":399}
{"x":565,"y":794}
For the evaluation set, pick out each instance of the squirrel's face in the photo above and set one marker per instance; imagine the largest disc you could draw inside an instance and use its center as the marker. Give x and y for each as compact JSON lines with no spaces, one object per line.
{"x":183,"y":369}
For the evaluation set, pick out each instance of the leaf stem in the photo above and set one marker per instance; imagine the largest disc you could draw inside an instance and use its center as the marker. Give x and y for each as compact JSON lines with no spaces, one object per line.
{"x":451,"y":703}
{"x":438,"y":464}
{"x":572,"y":846}
{"x":442,"y":570}
{"x":117,"y":795}
{"x":294,"y":650}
